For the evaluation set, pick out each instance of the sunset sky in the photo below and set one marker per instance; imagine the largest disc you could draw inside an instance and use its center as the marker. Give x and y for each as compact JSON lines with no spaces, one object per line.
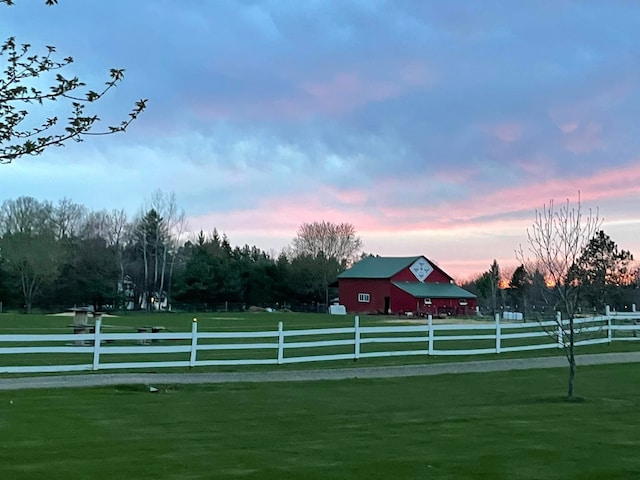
{"x":435,"y":128}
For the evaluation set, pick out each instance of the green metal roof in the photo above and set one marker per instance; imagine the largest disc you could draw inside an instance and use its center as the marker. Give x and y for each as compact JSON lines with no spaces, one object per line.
{"x":433,"y":290}
{"x":378,"y":267}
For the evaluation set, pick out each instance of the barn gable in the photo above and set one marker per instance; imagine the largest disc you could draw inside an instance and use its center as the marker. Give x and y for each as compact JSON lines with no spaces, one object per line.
{"x":378,"y":267}
{"x":397,"y":268}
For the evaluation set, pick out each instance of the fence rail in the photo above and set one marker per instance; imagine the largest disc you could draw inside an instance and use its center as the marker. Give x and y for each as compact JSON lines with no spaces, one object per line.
{"x":197,"y":349}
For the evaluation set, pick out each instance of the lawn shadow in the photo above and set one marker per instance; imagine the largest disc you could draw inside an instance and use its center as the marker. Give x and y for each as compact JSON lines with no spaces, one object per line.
{"x":557,"y":399}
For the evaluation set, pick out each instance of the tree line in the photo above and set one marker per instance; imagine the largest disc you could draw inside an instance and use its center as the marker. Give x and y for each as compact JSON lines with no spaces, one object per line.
{"x":604,"y":273}
{"x":55,"y":256}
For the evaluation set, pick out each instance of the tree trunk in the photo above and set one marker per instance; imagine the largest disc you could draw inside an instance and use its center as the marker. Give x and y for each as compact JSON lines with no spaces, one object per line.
{"x":572,"y":361}
{"x":162,"y":272}
{"x":146,"y":274}
{"x":28,"y":290}
{"x":170,"y":280}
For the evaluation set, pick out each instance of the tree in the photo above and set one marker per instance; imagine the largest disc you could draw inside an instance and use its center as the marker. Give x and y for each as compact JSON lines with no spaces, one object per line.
{"x":35,"y":260}
{"x":29,"y":248}
{"x":481,"y":285}
{"x":325,"y":244}
{"x":332,"y":240}
{"x":556,"y":242}
{"x":150,"y":235}
{"x":494,"y":278}
{"x":214,"y":273}
{"x":175,"y":224}
{"x":488,"y":286}
{"x":25,"y":215}
{"x":19,"y":97}
{"x":89,"y":275}
{"x":308,"y":277}
{"x":196,"y":283}
{"x":67,"y":218}
{"x":113,"y":228}
{"x":601,"y":267}
{"x":519,"y":286}
{"x":257,"y":275}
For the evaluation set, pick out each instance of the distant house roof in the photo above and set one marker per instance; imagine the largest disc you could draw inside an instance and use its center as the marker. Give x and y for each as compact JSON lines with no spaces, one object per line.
{"x":435,"y":290}
{"x":378,"y":267}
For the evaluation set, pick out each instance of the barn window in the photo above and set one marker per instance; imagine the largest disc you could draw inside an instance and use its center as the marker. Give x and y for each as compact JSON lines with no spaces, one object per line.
{"x":463,"y":302}
{"x":364,"y":298}
{"x":427,"y":301}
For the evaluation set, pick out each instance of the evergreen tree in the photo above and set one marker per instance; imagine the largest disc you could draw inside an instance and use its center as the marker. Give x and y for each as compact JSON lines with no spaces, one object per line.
{"x":519,"y":287}
{"x":602,"y":270}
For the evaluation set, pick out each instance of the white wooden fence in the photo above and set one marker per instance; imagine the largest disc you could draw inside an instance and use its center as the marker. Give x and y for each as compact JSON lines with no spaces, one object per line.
{"x":276,"y":347}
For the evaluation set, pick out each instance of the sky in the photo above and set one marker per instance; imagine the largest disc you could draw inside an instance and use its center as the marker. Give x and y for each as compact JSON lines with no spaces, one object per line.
{"x":435,"y":128}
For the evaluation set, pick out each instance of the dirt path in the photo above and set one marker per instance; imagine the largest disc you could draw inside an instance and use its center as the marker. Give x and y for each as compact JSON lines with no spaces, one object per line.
{"x":103,"y":379}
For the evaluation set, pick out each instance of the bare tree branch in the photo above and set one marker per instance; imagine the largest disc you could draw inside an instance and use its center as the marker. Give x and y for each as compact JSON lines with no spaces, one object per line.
{"x":556,"y":242}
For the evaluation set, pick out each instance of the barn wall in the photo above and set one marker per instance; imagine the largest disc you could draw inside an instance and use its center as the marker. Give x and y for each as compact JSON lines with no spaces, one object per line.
{"x":349,"y":288}
{"x":402,"y":302}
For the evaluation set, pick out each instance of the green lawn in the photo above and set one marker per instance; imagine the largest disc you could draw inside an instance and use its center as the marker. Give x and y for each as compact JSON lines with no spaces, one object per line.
{"x":510,"y":425}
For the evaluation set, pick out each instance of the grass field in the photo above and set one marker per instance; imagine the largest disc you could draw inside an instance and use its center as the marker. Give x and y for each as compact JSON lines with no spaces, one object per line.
{"x":226,"y":322}
{"x":512,"y":425}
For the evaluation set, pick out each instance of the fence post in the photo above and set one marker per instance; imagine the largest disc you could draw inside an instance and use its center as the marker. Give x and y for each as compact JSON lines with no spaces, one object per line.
{"x":431,"y":332}
{"x":607,"y":310}
{"x":194,"y":342}
{"x":609,"y":329}
{"x":560,"y":330}
{"x":356,"y":331}
{"x":280,"y":343}
{"x":497,"y":333}
{"x":96,"y":341}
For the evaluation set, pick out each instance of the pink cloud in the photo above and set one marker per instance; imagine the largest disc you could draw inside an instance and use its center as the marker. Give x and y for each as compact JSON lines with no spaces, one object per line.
{"x":333,"y":94}
{"x":581,"y":120}
{"x":340,"y":93}
{"x":347,"y":197}
{"x":568,"y":127}
{"x":416,"y":74}
{"x":465,"y":234}
{"x":584,"y":139}
{"x":368,"y":210}
{"x":535,"y":166}
{"x":613,"y":184}
{"x":346,"y":90}
{"x":507,"y":132}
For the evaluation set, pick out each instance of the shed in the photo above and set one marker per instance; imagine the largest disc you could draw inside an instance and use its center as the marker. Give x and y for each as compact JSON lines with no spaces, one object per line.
{"x":391,"y":285}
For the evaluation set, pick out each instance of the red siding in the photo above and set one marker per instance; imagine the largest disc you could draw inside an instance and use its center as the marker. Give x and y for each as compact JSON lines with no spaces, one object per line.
{"x":402,"y":302}
{"x":399,"y":300}
{"x":377,"y":289}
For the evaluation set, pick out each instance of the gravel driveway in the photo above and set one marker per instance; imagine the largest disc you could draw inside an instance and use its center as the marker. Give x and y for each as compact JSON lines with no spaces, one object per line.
{"x":102,"y":379}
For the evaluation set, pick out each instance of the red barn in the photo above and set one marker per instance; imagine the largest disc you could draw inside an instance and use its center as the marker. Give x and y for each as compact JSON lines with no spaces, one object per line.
{"x":400,"y":285}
